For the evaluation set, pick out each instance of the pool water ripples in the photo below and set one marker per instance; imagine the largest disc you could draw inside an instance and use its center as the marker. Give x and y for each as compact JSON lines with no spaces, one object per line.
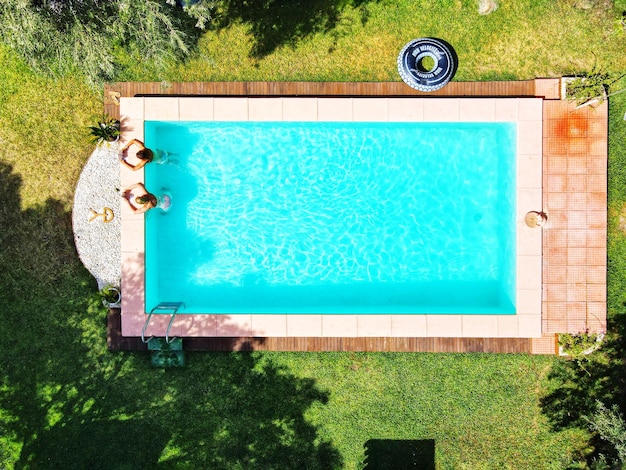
{"x":377,"y":208}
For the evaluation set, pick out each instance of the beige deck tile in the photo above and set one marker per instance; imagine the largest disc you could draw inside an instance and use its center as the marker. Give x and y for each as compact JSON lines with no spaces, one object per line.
{"x":370,"y":110}
{"x":444,"y":326}
{"x":132,"y":236}
{"x":334,"y":109}
{"x":403,"y":326}
{"x":234,"y":325}
{"x":528,"y":301}
{"x":528,"y":241}
{"x":133,"y":324}
{"x":529,"y":326}
{"x":477,"y":110}
{"x":265,"y":109}
{"x":406,"y":109}
{"x":529,"y":171}
{"x":304,"y":325}
{"x":131,"y":109}
{"x":530,"y":109}
{"x":528,"y":269}
{"x":129,"y":177}
{"x":479,"y":326}
{"x":299,"y":109}
{"x":230,"y":109}
{"x":441,"y":110}
{"x":196,"y":325}
{"x":196,"y":109}
{"x":161,"y":109}
{"x":158,"y":325}
{"x":506,"y":109}
{"x":528,"y":200}
{"x":529,"y":140}
{"x":373,"y":325}
{"x":269,"y":325}
{"x":131,"y":129}
{"x":507,"y":326}
{"x":339,"y":325}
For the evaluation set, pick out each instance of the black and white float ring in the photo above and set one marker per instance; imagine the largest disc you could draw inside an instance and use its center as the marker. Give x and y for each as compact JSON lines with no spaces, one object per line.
{"x":418,"y":73}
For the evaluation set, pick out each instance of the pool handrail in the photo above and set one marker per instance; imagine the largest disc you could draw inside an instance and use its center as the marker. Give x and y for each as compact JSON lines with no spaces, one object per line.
{"x":174,"y":306}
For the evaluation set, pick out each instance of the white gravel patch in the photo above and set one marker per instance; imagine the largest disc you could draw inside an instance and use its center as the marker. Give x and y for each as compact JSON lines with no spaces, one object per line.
{"x":99,"y":243}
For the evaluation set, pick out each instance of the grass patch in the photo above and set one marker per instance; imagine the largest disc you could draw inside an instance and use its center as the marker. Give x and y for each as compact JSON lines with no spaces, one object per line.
{"x":521,"y":39}
{"x":616,"y":249}
{"x":66,"y":401}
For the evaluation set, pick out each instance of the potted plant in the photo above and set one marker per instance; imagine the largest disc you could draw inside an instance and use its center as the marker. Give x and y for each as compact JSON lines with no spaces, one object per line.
{"x":110,"y":296}
{"x":107,"y":130}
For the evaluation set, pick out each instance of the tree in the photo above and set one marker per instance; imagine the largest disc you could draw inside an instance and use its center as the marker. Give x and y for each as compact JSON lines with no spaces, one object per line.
{"x":610,"y":426}
{"x":59,"y":36}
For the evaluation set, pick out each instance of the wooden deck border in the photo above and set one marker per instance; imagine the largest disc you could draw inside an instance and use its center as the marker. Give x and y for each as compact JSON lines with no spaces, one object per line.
{"x":114,"y":91}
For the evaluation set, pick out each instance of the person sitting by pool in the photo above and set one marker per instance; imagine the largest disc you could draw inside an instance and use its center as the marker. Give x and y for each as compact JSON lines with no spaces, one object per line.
{"x":143,"y":154}
{"x":139,"y":199}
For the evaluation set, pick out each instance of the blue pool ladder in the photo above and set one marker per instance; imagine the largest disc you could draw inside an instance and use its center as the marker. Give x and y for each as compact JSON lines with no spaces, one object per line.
{"x":165,"y":351}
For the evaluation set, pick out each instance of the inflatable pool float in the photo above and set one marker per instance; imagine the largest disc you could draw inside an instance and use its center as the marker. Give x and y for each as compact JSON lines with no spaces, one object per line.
{"x":427,"y":64}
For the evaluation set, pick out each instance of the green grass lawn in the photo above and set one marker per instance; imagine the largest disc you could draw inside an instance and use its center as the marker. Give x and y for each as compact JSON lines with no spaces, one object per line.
{"x":66,"y":402}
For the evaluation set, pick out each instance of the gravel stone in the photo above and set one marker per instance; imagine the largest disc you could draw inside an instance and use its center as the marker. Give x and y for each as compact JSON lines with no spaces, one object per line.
{"x":99,"y":243}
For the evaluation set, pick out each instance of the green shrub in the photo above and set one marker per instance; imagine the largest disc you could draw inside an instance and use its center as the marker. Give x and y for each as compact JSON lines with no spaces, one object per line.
{"x":610,"y":426}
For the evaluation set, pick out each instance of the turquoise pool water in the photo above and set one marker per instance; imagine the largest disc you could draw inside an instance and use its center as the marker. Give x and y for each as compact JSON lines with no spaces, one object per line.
{"x":291,"y":217}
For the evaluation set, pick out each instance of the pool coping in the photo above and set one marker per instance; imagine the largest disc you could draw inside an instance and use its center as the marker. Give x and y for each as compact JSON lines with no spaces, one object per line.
{"x":527,"y":112}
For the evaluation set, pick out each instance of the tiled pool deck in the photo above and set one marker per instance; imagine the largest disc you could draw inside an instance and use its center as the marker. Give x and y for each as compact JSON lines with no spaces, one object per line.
{"x":561,"y":269}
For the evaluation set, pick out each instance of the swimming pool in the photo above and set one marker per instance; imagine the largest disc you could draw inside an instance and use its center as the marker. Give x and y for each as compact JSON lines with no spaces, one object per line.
{"x":316,"y":217}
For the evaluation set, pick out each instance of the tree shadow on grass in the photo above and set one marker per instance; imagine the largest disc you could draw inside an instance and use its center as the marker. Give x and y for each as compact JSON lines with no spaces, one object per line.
{"x":276,"y":23}
{"x":67,"y":402}
{"x":577,"y":385}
